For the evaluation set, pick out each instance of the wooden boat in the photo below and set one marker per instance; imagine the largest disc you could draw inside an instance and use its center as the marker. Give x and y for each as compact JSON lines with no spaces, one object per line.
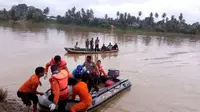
{"x":85,"y":51}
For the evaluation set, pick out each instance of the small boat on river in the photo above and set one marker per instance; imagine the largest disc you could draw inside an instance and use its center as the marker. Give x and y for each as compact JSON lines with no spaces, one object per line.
{"x":86,"y":51}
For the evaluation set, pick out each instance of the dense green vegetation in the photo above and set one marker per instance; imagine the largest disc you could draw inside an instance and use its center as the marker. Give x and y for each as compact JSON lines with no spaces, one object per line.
{"x":86,"y":17}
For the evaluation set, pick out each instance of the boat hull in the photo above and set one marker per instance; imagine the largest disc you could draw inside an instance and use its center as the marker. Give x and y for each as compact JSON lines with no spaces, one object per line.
{"x":98,"y":98}
{"x":84,"y":51}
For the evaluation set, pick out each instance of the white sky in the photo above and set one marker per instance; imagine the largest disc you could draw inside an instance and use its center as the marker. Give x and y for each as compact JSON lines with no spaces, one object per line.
{"x":189,"y":8}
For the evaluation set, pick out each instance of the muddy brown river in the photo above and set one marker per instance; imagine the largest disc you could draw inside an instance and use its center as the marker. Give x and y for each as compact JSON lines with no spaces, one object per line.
{"x":164,"y":70}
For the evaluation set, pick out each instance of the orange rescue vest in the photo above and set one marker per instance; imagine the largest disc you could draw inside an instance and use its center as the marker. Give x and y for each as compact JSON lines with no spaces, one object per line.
{"x":62,"y":79}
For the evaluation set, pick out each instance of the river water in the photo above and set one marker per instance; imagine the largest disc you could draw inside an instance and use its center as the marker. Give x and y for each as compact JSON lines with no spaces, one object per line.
{"x":164,"y":70}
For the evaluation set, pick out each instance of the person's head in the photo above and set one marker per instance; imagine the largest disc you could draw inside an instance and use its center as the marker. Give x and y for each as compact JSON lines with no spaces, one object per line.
{"x":79,"y":68}
{"x":39,"y":71}
{"x":110,"y":43}
{"x":99,"y":62}
{"x":89,"y":58}
{"x":92,"y":38}
{"x":54,"y":69}
{"x":97,"y":37}
{"x":115,"y":43}
{"x":78,"y":77}
{"x":103,"y":44}
{"x":76,"y":43}
{"x":57,"y":59}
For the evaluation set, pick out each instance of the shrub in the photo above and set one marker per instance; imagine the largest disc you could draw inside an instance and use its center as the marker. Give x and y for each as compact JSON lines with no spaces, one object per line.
{"x":3,"y":94}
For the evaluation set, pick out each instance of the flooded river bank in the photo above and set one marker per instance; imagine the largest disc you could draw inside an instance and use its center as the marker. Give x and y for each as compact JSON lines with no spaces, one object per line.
{"x":164,"y":71}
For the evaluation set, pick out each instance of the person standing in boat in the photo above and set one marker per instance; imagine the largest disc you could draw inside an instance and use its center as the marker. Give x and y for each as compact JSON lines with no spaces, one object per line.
{"x":87,"y":43}
{"x":61,"y":63}
{"x":76,"y":46}
{"x":28,"y":91}
{"x":97,"y":44}
{"x":81,"y":90}
{"x":92,"y":44}
{"x":59,"y":88}
{"x":92,"y":73}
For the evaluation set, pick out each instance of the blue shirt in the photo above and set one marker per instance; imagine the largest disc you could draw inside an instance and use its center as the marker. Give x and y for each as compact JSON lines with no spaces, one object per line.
{"x":74,"y":72}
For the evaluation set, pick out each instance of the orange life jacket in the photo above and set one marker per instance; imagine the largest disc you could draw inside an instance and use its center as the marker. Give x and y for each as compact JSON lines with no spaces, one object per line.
{"x":100,"y":67}
{"x":62,"y":64}
{"x":62,"y":79}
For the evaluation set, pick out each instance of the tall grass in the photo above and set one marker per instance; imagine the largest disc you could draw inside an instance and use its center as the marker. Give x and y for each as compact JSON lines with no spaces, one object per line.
{"x":3,"y":94}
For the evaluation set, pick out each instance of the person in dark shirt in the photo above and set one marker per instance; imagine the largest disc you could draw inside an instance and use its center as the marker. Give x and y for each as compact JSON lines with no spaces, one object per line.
{"x":115,"y":47}
{"x":92,"y":44}
{"x":103,"y":48}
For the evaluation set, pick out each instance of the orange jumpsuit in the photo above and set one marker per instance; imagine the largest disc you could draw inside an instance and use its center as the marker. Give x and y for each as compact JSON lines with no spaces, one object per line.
{"x":63,"y":65}
{"x":30,"y":86}
{"x":81,"y":90}
{"x":101,"y":70}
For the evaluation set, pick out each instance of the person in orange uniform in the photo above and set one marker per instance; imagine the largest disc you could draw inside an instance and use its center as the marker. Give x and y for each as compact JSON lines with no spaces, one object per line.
{"x":59,"y":88}
{"x":81,"y":90}
{"x":61,"y":63}
{"x":28,"y":91}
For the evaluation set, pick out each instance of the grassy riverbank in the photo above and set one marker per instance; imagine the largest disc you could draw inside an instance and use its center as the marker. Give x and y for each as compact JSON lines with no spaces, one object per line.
{"x":53,"y":24}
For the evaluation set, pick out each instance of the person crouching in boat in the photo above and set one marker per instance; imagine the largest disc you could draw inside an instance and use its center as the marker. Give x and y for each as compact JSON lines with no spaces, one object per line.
{"x":92,"y":73}
{"x":115,"y":47}
{"x":103,"y":74}
{"x":104,"y":48}
{"x":81,"y":90}
{"x":28,"y":91}
{"x":60,"y":63}
{"x":59,"y":88}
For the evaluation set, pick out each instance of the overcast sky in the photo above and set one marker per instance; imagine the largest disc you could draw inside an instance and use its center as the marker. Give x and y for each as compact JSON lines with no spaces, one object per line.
{"x":189,"y":8}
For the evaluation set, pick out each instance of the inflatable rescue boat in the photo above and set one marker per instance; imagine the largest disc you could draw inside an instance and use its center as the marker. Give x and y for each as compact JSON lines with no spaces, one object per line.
{"x":111,"y":87}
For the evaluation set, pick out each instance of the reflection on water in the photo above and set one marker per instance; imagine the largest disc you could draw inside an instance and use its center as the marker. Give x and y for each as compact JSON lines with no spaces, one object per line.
{"x":164,"y":70}
{"x":95,"y":57}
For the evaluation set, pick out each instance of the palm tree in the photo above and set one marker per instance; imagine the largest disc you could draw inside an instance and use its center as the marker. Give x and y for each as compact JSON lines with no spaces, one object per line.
{"x":172,"y":17}
{"x":106,"y":16}
{"x":181,"y":17}
{"x":156,"y":15}
{"x":163,"y":16}
{"x":151,"y":14}
{"x":167,"y":19}
{"x":140,"y":13}
{"x":117,"y":14}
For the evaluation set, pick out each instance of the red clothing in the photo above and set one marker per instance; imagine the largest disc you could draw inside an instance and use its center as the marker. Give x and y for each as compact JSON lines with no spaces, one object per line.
{"x":101,"y":70}
{"x":30,"y":86}
{"x":63,"y":65}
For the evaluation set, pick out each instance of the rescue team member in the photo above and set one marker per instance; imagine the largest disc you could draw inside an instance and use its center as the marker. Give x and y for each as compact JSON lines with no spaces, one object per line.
{"x":92,"y":72}
{"x":59,"y":88}
{"x":81,"y":90}
{"x":79,"y":70}
{"x":28,"y":91}
{"x":62,"y":64}
{"x":103,"y":74}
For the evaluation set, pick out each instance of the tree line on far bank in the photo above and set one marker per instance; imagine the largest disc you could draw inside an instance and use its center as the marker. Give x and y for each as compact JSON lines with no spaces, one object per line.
{"x":86,"y":17}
